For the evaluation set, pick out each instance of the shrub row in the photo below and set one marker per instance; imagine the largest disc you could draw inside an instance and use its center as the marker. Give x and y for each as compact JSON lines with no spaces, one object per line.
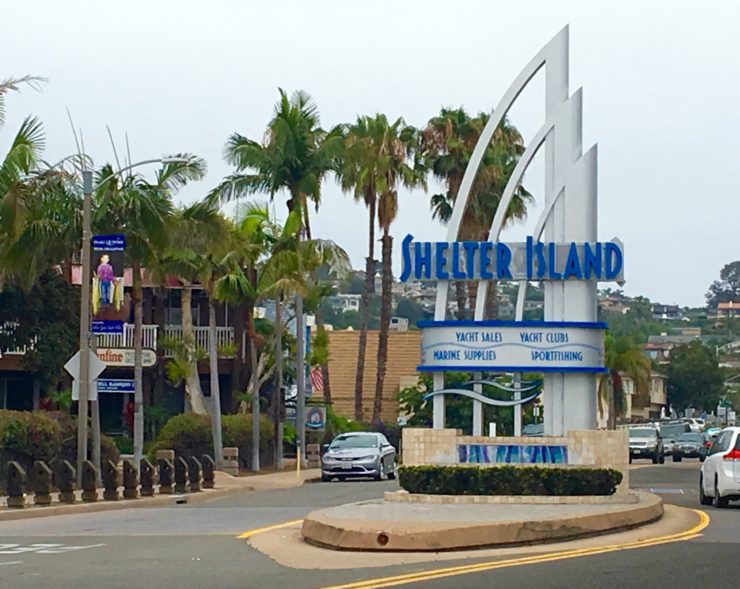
{"x":508,"y":480}
{"x":26,"y":436}
{"x":190,"y":434}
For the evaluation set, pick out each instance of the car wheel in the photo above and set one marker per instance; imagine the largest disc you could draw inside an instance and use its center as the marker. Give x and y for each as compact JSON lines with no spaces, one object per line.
{"x":702,"y":458}
{"x":392,"y":474}
{"x":326,"y":478}
{"x":381,"y":472}
{"x":676,"y":458}
{"x":655,"y":459}
{"x":719,"y":501}
{"x":630,"y":459}
{"x":661,"y":459}
{"x":703,"y":499}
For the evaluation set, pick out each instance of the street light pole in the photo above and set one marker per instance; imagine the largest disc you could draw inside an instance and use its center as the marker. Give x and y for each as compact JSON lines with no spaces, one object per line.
{"x":84,"y":380}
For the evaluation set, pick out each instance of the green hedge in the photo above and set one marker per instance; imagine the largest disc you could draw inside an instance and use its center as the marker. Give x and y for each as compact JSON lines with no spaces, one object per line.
{"x":26,"y":436}
{"x":190,"y":434}
{"x":508,"y":480}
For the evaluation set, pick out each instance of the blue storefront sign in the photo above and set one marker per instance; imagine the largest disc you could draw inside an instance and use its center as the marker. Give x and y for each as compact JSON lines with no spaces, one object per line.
{"x":109,"y":243}
{"x":115,"y":385}
{"x":106,"y":326}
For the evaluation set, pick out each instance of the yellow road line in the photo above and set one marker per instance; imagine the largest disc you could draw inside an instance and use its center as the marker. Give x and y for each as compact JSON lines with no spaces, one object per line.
{"x":488,"y":566}
{"x":255,"y":531}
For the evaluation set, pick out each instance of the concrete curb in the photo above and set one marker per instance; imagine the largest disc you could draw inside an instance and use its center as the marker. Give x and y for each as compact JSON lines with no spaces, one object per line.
{"x":322,"y":529}
{"x":617,"y":499}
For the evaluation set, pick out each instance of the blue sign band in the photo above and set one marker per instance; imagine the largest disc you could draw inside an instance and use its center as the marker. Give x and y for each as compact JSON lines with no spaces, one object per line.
{"x":528,"y":369}
{"x":470,"y":323}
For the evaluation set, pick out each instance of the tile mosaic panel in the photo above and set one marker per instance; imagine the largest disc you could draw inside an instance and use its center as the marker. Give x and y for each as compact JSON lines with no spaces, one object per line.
{"x":512,"y":454}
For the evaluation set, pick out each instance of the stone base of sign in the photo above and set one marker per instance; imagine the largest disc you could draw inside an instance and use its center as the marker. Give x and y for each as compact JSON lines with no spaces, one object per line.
{"x":585,"y":448}
{"x":386,"y":526}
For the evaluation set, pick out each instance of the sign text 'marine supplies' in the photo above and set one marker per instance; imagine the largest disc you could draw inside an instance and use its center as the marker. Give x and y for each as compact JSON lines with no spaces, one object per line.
{"x":530,"y":260}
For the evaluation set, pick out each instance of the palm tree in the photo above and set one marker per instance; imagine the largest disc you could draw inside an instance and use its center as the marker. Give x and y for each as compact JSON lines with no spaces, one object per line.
{"x":142,"y":211}
{"x":622,"y":358}
{"x":361,"y":172}
{"x":295,"y":156}
{"x":24,"y":155}
{"x":245,"y":281}
{"x":447,"y":143}
{"x":393,"y":143}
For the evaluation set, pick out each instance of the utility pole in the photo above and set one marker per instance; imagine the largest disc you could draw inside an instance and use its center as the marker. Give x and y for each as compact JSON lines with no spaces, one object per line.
{"x":84,"y":380}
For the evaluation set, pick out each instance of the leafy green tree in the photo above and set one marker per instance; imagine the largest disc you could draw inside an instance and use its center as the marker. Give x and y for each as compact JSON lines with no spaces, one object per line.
{"x":411,"y":310}
{"x":47,"y":319}
{"x":694,"y":377}
{"x":727,"y":288}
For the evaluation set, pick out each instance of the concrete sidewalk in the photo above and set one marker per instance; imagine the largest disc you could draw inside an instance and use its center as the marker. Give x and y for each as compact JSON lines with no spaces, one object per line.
{"x":392,"y":526}
{"x":225,"y":484}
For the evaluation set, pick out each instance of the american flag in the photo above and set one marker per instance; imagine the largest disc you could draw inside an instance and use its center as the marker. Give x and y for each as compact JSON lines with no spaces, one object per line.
{"x":317,"y":379}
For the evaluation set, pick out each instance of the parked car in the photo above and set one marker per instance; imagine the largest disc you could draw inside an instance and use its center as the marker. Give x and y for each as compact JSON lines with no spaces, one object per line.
{"x":690,"y":445}
{"x":359,"y":454}
{"x":719,"y":482}
{"x":673,"y":429}
{"x":668,"y":445}
{"x":645,"y":442}
{"x":713,"y":432}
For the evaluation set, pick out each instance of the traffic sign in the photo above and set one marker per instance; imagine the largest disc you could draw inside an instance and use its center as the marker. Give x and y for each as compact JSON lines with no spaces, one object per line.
{"x":96,"y":368}
{"x":115,"y":385}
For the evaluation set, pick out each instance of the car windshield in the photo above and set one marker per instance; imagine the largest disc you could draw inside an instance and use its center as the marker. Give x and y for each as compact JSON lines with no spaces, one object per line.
{"x":645,"y":432}
{"x":355,"y":441}
{"x":670,"y":440}
{"x":693,"y":438}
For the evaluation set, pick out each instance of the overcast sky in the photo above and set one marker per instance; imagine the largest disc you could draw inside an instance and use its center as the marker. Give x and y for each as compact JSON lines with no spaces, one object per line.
{"x":660,"y":79}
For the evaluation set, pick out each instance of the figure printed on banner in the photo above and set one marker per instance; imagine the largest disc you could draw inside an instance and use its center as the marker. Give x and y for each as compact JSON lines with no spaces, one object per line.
{"x":108,"y":299}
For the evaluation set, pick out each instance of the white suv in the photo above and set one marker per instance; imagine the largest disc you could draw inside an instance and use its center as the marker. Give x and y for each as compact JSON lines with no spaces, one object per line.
{"x":719,"y":482}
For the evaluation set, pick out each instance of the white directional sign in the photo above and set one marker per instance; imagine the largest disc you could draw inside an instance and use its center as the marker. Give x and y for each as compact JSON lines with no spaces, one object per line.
{"x":96,"y":369}
{"x":509,"y":346}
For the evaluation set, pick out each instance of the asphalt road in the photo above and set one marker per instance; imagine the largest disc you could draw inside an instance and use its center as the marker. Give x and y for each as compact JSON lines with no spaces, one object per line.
{"x":196,"y":547}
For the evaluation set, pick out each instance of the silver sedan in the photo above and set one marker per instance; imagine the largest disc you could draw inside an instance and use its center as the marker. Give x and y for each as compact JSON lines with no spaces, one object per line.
{"x":359,"y":454}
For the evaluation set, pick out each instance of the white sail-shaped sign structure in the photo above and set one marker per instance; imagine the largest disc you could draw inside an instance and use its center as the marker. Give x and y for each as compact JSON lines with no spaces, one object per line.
{"x":563,"y":252}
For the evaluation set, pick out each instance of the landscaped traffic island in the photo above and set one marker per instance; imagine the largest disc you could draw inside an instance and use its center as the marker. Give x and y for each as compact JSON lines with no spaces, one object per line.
{"x":462,"y":507}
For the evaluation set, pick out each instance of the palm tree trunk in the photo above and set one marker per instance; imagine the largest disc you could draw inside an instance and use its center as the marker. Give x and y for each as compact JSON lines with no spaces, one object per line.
{"x":193,"y":391}
{"x":277,"y":395}
{"x":491,"y":309}
{"x":321,"y":330}
{"x":254,"y":378}
{"x":138,"y":366}
{"x":365,"y":310}
{"x":612,"y":420}
{"x":460,"y":297}
{"x":237,"y":367}
{"x":218,"y":447}
{"x":385,"y":320}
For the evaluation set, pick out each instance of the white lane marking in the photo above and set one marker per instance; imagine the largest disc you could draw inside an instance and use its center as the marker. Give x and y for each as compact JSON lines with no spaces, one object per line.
{"x":43,"y":548}
{"x":11,"y":562}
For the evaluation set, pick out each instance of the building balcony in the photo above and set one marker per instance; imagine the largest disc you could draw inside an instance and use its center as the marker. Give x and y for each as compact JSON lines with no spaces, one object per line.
{"x":224,"y":339}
